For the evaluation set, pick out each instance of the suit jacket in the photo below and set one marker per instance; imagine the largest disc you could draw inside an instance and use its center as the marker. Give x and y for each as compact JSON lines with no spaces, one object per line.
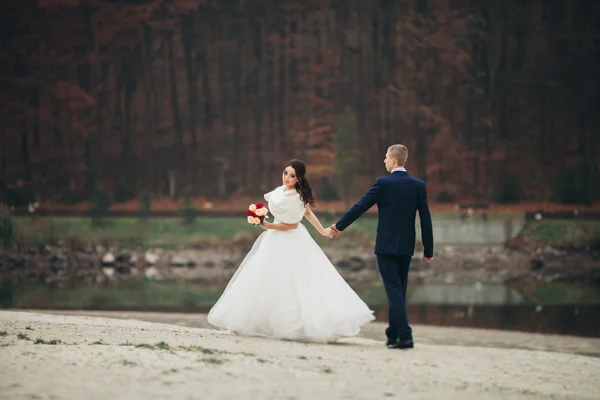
{"x":398,"y":197}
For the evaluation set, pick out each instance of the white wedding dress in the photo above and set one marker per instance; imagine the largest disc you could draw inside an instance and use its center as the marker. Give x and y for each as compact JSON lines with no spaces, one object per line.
{"x":287,"y":288}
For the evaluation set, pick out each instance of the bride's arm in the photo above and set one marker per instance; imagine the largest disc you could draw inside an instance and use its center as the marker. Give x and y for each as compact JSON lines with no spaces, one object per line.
{"x":312,"y":218}
{"x":278,"y":227}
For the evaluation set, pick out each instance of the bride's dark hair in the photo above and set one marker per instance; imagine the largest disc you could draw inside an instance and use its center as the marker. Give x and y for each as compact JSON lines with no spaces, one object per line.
{"x":302,"y":186}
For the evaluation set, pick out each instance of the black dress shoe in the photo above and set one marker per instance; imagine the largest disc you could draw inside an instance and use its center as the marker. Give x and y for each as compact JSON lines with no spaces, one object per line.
{"x":401,"y":344}
{"x":390,"y":341}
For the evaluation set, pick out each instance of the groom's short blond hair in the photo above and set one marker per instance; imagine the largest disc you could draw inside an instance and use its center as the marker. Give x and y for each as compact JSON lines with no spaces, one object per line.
{"x":398,"y":152}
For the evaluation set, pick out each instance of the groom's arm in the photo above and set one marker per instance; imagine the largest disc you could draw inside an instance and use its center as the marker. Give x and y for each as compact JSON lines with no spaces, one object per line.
{"x":358,"y":209}
{"x":426,"y":226}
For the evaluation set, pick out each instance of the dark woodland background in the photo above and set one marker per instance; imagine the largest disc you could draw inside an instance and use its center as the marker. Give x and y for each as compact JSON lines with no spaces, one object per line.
{"x":497,"y":100}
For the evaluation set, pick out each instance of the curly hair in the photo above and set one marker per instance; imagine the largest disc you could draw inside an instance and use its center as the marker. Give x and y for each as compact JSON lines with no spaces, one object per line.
{"x":302,"y":186}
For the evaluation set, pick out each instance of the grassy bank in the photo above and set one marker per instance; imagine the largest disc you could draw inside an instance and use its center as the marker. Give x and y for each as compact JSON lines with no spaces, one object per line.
{"x":171,"y":232}
{"x":567,"y":234}
{"x":160,"y":232}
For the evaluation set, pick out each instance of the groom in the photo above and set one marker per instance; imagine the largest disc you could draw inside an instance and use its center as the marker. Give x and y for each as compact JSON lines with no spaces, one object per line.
{"x":398,"y":197}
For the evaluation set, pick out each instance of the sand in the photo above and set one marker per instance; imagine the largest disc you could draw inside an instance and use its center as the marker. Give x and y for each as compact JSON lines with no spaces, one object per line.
{"x":101,"y":358}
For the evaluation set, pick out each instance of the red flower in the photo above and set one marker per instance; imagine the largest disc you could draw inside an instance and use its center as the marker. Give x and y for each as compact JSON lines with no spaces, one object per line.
{"x":261,"y":218}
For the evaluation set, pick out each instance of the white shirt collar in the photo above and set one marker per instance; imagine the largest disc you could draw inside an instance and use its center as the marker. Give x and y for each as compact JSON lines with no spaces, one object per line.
{"x":399,"y":169}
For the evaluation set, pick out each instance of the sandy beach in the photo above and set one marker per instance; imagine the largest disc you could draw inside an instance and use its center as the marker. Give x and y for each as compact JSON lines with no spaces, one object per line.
{"x":139,"y":356}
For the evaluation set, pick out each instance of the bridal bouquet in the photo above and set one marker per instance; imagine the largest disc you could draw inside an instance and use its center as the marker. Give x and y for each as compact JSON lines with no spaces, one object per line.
{"x":257,"y":213}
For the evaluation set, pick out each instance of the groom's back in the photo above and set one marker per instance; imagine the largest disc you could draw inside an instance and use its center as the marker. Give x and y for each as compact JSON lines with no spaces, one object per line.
{"x":397,"y":202}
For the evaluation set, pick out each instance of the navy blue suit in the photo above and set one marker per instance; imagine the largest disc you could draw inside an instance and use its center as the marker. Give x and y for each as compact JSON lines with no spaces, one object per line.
{"x":398,"y":197}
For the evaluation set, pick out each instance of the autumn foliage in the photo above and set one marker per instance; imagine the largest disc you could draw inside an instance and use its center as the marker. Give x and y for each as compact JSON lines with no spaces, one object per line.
{"x":497,"y":101}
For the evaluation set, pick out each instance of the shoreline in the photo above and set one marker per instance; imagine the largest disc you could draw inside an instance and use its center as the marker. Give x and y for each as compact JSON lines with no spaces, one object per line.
{"x":216,"y":262}
{"x":429,"y":334}
{"x":97,"y":357}
{"x":522,"y":318}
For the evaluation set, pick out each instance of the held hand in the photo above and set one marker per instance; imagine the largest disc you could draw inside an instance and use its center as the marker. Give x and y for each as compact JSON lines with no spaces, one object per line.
{"x":265,"y":225}
{"x":334,"y":230}
{"x":427,"y":260}
{"x":328,"y":233}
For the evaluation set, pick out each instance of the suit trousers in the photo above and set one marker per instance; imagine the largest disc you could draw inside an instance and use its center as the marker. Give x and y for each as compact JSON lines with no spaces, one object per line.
{"x":394,"y":272}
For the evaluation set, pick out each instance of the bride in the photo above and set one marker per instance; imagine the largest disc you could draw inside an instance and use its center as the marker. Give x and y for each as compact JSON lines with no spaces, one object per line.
{"x":286,"y":287}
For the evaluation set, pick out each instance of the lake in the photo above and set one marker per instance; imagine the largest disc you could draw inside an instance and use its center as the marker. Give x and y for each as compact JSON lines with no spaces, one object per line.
{"x":495,"y":307}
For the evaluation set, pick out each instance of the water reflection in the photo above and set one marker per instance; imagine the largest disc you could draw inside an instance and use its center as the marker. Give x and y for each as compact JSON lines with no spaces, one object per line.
{"x":478,"y":293}
{"x":495,"y":306}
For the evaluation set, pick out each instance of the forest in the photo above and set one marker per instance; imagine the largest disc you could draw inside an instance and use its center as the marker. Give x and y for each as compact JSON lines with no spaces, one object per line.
{"x":497,"y":100}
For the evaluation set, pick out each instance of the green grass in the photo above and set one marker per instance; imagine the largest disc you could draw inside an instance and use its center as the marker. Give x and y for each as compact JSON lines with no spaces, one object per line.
{"x":144,"y":346}
{"x":166,"y":346}
{"x":52,"y":342}
{"x":163,"y":346}
{"x":158,"y":346}
{"x":202,"y":350}
{"x":171,"y":232}
{"x":212,"y":360}
{"x":161,"y":232}
{"x":562,"y":233}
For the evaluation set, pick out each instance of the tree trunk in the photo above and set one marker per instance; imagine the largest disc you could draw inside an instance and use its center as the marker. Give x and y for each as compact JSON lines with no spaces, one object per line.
{"x":188,"y":43}
{"x":259,"y":90}
{"x":496,"y":50}
{"x":284,"y":84}
{"x":25,"y":150}
{"x":361,"y":94}
{"x":237,"y":116}
{"x":175,"y":102}
{"x":241,"y":118}
{"x":208,"y":122}
{"x":34,"y":101}
{"x":126,"y":140}
{"x":304,"y":70}
{"x":270,"y":87}
{"x":149,"y":105}
{"x":88,"y":83}
{"x":420,"y":11}
{"x":208,"y":140}
{"x":3,"y":160}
